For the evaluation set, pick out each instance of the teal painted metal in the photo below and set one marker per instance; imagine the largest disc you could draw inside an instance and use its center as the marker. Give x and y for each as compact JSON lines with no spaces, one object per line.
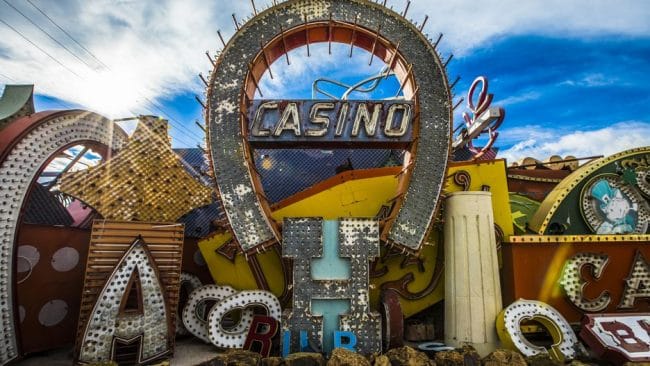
{"x":16,"y":98}
{"x":323,"y":305}
{"x":330,"y":310}
{"x":330,"y":266}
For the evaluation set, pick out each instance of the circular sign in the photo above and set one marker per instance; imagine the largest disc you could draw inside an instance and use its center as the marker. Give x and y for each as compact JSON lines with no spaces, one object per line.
{"x":610,"y":206}
{"x":269,"y":36}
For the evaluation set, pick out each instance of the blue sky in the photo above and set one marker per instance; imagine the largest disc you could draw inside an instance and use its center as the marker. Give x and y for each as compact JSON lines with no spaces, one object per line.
{"x":573,"y":76}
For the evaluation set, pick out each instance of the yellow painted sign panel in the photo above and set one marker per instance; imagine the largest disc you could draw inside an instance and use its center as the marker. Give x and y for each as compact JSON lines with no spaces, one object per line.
{"x":365,"y":193}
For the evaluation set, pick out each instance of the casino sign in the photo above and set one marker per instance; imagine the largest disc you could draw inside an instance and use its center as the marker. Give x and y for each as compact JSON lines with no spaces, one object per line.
{"x":418,"y":123}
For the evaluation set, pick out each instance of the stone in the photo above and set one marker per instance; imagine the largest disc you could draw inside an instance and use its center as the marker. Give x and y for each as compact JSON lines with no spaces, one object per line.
{"x":503,"y":357}
{"x":542,"y":360}
{"x":581,"y":363}
{"x":470,"y":356}
{"x":382,"y":361}
{"x":235,"y":357}
{"x":407,"y":356}
{"x":450,"y":358}
{"x":304,"y":359}
{"x":344,"y":357}
{"x":272,"y":361}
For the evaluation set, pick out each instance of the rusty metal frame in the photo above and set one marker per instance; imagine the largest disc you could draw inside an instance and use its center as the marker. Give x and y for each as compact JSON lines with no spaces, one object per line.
{"x":286,"y":26}
{"x":25,"y":147}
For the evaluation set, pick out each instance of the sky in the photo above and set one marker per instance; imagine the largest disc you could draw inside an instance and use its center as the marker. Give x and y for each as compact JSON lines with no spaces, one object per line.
{"x":573,"y":76}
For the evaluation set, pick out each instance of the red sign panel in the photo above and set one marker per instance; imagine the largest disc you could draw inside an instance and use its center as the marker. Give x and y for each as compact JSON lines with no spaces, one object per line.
{"x":618,"y":338}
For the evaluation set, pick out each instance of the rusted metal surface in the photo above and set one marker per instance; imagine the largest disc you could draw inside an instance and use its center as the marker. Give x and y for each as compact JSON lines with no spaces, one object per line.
{"x":535,"y":184}
{"x":534,"y":269}
{"x":26,"y":145}
{"x":290,"y":25}
{"x":50,"y":269}
{"x":329,"y":124}
{"x":392,"y":320}
{"x":110,"y":241}
{"x":463,"y":179}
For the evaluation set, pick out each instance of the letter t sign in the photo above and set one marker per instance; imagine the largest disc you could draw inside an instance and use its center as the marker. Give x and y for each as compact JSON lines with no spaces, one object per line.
{"x":308,"y":241}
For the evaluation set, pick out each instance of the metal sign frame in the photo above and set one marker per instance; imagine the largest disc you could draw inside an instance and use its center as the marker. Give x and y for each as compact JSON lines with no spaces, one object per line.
{"x":270,"y":35}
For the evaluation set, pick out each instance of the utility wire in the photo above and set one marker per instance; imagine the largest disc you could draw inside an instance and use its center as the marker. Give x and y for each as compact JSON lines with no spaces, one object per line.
{"x":67,"y":68}
{"x":157,"y":106}
{"x":40,"y":49}
{"x":67,"y":34}
{"x":47,"y":34}
{"x":8,"y":78}
{"x":179,"y":125}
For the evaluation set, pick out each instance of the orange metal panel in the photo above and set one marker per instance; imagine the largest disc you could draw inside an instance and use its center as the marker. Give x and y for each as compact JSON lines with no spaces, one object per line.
{"x":532,"y":269}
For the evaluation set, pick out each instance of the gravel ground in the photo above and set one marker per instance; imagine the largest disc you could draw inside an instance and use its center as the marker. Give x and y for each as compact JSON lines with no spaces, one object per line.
{"x":189,"y":351}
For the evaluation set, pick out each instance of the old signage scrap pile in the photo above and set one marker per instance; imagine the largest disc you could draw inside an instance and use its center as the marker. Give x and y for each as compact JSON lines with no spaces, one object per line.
{"x":349,"y":261}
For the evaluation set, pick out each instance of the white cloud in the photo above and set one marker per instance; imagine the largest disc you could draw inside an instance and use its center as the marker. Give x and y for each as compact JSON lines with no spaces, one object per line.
{"x":321,"y":64}
{"x":542,"y":143}
{"x":527,"y":96}
{"x":468,"y":24}
{"x":155,"y":49}
{"x":152,"y":50}
{"x":591,"y":81}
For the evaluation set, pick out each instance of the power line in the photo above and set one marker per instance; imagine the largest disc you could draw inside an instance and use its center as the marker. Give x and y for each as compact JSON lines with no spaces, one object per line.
{"x":67,"y":34}
{"x":8,"y":78}
{"x":47,"y":34}
{"x":157,"y":106}
{"x":40,"y":49}
{"x":173,"y":120}
{"x":64,"y":66}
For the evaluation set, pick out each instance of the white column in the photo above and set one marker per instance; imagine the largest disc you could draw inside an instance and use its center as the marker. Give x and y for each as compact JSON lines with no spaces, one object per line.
{"x":472,"y":288}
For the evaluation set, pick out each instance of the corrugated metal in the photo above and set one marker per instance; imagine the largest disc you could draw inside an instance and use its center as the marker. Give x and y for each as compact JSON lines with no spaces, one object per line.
{"x":110,"y":240}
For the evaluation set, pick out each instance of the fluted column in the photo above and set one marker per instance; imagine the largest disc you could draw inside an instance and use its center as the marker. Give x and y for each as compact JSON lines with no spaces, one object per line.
{"x":472,"y":288}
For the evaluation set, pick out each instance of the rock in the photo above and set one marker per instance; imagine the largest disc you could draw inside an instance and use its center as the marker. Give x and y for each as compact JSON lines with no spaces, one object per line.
{"x":503,"y":357}
{"x":407,"y":356}
{"x":235,"y":357}
{"x":382,"y":361}
{"x":304,"y":359}
{"x":450,"y":358}
{"x":581,"y":363}
{"x":344,"y":357}
{"x":542,"y":359}
{"x":272,"y":361}
{"x":470,"y":356}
